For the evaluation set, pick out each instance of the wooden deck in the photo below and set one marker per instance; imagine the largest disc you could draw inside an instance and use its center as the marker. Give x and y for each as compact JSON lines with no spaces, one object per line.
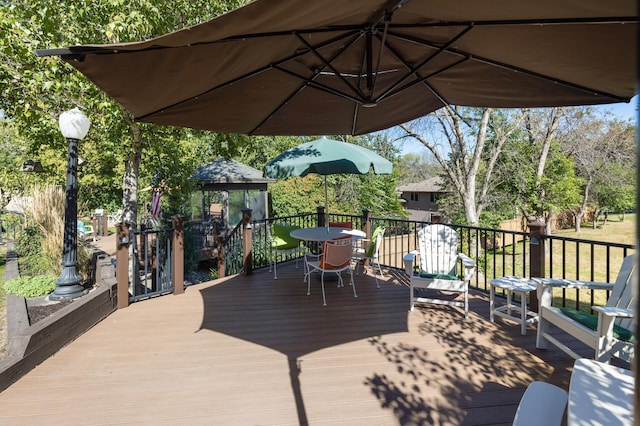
{"x":257,"y":351}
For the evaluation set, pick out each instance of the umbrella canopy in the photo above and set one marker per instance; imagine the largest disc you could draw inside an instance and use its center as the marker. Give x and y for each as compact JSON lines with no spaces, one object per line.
{"x":295,"y":67}
{"x":326,"y":157}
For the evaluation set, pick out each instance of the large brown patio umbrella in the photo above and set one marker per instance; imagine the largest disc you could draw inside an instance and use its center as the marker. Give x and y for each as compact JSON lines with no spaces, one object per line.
{"x":297,"y":67}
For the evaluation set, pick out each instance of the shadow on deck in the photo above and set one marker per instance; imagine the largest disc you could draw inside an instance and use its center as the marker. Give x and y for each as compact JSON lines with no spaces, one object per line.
{"x":254,"y":350}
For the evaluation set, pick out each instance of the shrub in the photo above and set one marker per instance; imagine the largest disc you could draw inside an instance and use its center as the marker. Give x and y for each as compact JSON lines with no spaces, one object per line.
{"x":38,"y":285}
{"x":40,"y":247}
{"x":28,"y":243}
{"x":29,"y":249}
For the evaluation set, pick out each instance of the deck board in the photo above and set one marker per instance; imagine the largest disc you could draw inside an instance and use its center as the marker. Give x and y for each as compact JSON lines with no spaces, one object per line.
{"x":251,"y":350}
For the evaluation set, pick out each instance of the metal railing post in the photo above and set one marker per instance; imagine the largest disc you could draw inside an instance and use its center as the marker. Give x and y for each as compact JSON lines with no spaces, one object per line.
{"x":322,"y":219}
{"x":247,"y":242}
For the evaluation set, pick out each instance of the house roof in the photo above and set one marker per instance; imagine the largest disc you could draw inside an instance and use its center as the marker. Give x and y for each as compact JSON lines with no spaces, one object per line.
{"x":223,"y":174}
{"x":433,"y":184}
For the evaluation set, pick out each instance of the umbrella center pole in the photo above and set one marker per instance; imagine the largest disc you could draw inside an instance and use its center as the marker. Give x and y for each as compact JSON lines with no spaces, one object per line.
{"x":326,"y":204}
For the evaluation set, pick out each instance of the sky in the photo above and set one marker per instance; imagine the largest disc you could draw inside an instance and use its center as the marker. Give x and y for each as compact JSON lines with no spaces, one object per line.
{"x":625,"y":111}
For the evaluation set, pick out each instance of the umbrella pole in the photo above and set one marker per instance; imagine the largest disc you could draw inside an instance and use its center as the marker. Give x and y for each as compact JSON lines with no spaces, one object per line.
{"x":326,"y":198}
{"x":326,"y":204}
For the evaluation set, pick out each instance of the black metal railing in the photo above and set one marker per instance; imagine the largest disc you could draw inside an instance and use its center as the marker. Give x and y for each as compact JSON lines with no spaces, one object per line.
{"x":497,"y":252}
{"x":150,"y":267}
{"x":232,"y":249}
{"x":587,"y":260}
{"x":261,"y":235}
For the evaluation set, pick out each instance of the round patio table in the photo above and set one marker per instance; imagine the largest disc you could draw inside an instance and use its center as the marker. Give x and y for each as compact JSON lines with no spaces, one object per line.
{"x":323,"y":233}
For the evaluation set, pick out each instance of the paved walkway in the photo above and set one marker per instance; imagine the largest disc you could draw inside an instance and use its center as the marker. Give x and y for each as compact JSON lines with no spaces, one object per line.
{"x":106,"y":244}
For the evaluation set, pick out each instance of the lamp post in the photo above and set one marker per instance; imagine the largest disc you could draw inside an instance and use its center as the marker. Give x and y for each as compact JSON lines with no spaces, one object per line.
{"x":74,"y":126}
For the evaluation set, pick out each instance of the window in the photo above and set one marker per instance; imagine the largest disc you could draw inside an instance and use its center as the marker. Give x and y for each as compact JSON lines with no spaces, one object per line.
{"x":414,"y":196}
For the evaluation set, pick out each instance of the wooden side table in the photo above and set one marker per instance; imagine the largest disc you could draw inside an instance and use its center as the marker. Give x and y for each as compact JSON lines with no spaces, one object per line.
{"x":518,"y":313}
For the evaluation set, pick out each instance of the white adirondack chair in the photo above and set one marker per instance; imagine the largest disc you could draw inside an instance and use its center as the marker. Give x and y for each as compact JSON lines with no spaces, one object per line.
{"x":610,"y":335}
{"x":541,"y":404}
{"x":438,"y":252}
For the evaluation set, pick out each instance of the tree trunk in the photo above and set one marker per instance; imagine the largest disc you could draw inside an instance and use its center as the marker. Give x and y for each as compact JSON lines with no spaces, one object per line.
{"x":130,"y":199}
{"x":583,"y":207}
{"x":130,"y":178}
{"x":577,"y":221}
{"x":545,"y":141}
{"x":549,"y":221}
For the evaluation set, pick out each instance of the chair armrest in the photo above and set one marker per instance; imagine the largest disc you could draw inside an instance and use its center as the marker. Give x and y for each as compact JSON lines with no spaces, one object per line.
{"x":606,"y":318}
{"x":409,"y":259}
{"x":546,"y":286}
{"x":579,"y":284}
{"x":613,"y":312}
{"x":467,"y":262}
{"x":469,"y":266}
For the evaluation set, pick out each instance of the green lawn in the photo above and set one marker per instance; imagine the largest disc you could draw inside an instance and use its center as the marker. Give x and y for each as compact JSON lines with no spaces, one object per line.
{"x":577,"y":260}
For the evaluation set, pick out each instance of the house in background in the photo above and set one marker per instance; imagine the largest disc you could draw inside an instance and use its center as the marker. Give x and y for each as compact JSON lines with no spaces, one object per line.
{"x":420,"y":199}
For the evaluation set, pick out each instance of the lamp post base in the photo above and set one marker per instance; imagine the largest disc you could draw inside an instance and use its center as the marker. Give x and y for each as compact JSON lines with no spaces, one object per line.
{"x":68,"y":285}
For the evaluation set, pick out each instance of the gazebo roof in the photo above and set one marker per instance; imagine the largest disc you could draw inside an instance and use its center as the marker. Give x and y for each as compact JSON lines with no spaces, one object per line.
{"x":229,"y":175}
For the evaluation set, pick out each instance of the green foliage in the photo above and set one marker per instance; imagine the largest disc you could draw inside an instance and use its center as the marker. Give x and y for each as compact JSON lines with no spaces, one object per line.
{"x":35,"y":90}
{"x":213,"y":272}
{"x":28,"y":243}
{"x":412,"y":168}
{"x":492,"y":219}
{"x":560,"y":186}
{"x":29,"y":250}
{"x":31,"y":286}
{"x":297,"y":195}
{"x":191,"y":252}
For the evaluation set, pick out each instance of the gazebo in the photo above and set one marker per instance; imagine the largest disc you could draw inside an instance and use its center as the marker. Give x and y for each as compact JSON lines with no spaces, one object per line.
{"x":241,"y":187}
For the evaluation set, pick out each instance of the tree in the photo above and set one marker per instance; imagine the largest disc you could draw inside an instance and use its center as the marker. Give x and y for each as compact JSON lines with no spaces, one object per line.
{"x":536,"y":176}
{"x":604,"y":153}
{"x":36,"y":90}
{"x":413,"y":167}
{"x":466,"y":143}
{"x":12,"y":157}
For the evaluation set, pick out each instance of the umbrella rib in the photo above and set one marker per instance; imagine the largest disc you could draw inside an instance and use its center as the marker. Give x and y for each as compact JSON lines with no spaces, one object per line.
{"x":319,"y":86}
{"x":306,"y":82}
{"x":522,"y":22}
{"x":525,"y":71}
{"x":383,"y":40}
{"x":328,"y":64}
{"x":78,"y":52}
{"x":356,"y":105}
{"x":418,"y":79}
{"x":413,"y":69}
{"x":425,"y":82}
{"x":424,"y":79}
{"x":253,"y":73}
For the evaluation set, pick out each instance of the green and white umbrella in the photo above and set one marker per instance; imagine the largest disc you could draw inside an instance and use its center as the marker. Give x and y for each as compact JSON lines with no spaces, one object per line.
{"x":326,"y":157}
